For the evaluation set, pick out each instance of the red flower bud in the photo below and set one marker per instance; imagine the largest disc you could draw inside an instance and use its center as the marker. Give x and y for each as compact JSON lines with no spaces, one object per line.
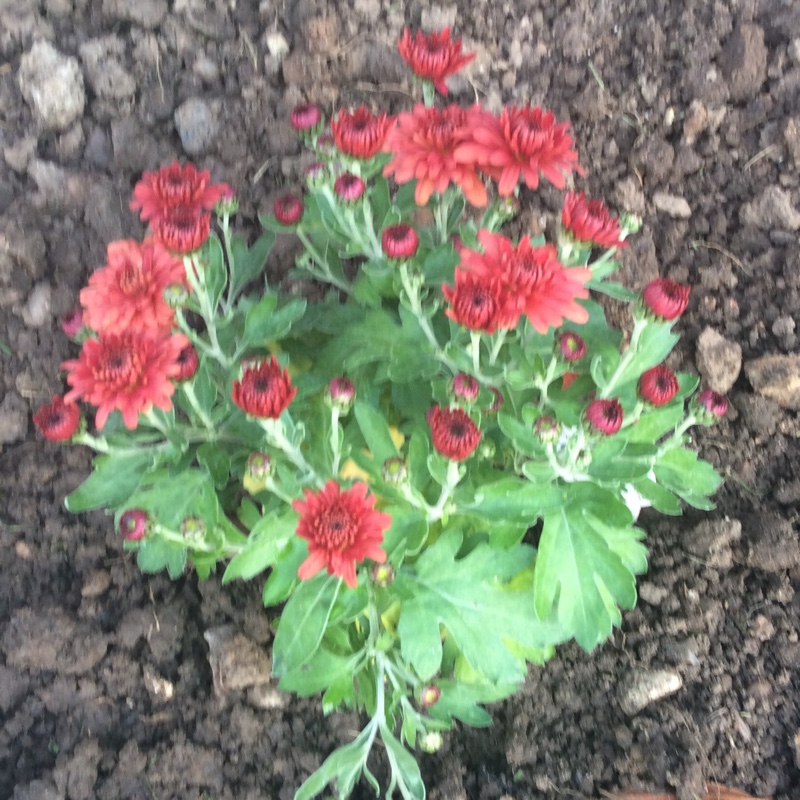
{"x":605,"y":416}
{"x":399,"y":241}
{"x":349,"y":187}
{"x":305,"y":117}
{"x":713,"y":402}
{"x":288,"y":209}
{"x":658,"y":385}
{"x":665,"y":298}
{"x":57,"y":421}
{"x":572,"y":346}
{"x":465,"y":387}
{"x":133,"y":524}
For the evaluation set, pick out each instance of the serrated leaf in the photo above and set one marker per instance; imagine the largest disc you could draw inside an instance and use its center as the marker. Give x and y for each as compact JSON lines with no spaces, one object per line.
{"x":155,"y":554}
{"x":405,"y":770}
{"x":460,"y":700}
{"x":267,"y":539}
{"x":250,"y":261}
{"x":264,"y":322}
{"x":322,"y":670}
{"x":283,"y":577}
{"x":682,"y":472}
{"x":467,"y":597}
{"x":588,"y":553}
{"x":113,"y":480}
{"x":375,"y":430}
{"x":514,"y":499}
{"x":303,"y":622}
{"x":215,"y":272}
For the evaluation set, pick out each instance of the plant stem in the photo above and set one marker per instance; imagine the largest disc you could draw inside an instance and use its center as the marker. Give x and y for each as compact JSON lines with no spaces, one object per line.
{"x":334,"y":441}
{"x":452,"y":477}
{"x":276,"y":435}
{"x":499,"y":340}
{"x":638,"y":327}
{"x":196,"y":277}
{"x":324,"y":272}
{"x":188,"y":390}
{"x":543,"y":383}
{"x":224,"y":224}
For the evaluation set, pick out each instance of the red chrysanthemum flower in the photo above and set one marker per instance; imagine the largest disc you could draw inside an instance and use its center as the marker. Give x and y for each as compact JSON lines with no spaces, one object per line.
{"x":605,"y":416}
{"x":465,"y":387}
{"x":399,"y":241}
{"x":173,"y":186}
{"x":453,"y":432}
{"x":572,"y":346}
{"x":665,"y":298}
{"x":305,"y":117}
{"x":533,"y":281}
{"x":341,"y":528}
{"x":133,"y":524}
{"x":188,"y":362}
{"x":434,"y":56}
{"x":349,"y":187}
{"x":422,"y":147}
{"x":713,"y":402}
{"x":182,"y":229}
{"x":360,"y":133}
{"x":588,"y":221}
{"x":130,"y":372}
{"x":658,"y":385}
{"x":522,"y":142}
{"x":478,"y":302}
{"x":57,"y":420}
{"x":264,"y":390}
{"x":288,"y":209}
{"x":128,"y":293}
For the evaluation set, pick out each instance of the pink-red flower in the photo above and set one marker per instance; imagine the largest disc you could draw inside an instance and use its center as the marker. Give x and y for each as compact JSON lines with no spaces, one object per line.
{"x":658,"y":385}
{"x":521,"y":143}
{"x":341,"y":528}
{"x":533,"y":281}
{"x":349,"y":187}
{"x":465,"y":388}
{"x":57,"y":420}
{"x":127,"y":294}
{"x":453,"y":432}
{"x":423,"y":146}
{"x":433,"y":56}
{"x":360,"y":133}
{"x":713,"y":402}
{"x":188,"y":362}
{"x":176,"y":185}
{"x":305,"y":117}
{"x":399,"y":241}
{"x":133,"y":524}
{"x":72,"y":323}
{"x":183,"y":228}
{"x":588,"y":221}
{"x":288,"y":209}
{"x":572,"y":346}
{"x":129,"y":372}
{"x":477,"y":302}
{"x":340,"y":394}
{"x":264,"y":390}
{"x":665,"y":298}
{"x":605,"y":416}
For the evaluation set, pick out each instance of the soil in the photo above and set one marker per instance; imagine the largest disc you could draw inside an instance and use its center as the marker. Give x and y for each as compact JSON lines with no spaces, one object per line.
{"x":686,"y":113}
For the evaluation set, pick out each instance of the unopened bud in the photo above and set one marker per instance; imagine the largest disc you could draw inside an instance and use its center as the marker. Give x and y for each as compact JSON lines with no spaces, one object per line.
{"x":429,"y":696}
{"x":260,"y":468}
{"x":431,"y":742}
{"x":133,"y":524}
{"x":176,"y":295}
{"x":629,"y":223}
{"x":394,"y":471}
{"x":340,"y":394}
{"x":383,"y":575}
{"x":193,"y":530}
{"x":464,"y":387}
{"x":547,"y":429}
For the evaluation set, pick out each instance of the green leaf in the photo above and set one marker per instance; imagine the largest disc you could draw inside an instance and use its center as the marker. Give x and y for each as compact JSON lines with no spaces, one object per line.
{"x":680,"y":471}
{"x":343,"y":765}
{"x":216,"y":461}
{"x":660,"y":498}
{"x":615,"y":459}
{"x":439,"y":265}
{"x":463,"y":701}
{"x":264,"y":323}
{"x":375,"y":430}
{"x":113,"y":480}
{"x":654,"y":423}
{"x":588,"y":554}
{"x":215,"y":272}
{"x":405,"y":770}
{"x":514,"y":499}
{"x":264,"y":544}
{"x":303,"y":622}
{"x":612,"y":289}
{"x":155,"y":554}
{"x":250,"y":261}
{"x":283,"y":577}
{"x":468,"y":598}
{"x":321,"y":671}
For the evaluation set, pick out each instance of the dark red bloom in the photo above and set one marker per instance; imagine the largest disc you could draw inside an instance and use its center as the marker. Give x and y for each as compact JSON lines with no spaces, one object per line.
{"x":288,"y":209}
{"x":465,"y":387}
{"x":588,"y":221}
{"x":173,"y":186}
{"x":130,"y":372}
{"x":305,"y":117}
{"x":422,"y":147}
{"x":133,"y":524}
{"x":605,"y":416}
{"x":713,"y":402}
{"x":360,"y":133}
{"x":264,"y":390}
{"x":399,"y":241}
{"x":72,"y":322}
{"x":349,"y":187}
{"x":341,"y":528}
{"x":182,"y":229}
{"x":453,"y":432}
{"x":477,"y":302}
{"x":58,"y":420}
{"x":188,"y":362}
{"x":572,"y":346}
{"x":665,"y":298}
{"x":658,"y":385}
{"x":433,"y":56}
{"x":520,"y":143}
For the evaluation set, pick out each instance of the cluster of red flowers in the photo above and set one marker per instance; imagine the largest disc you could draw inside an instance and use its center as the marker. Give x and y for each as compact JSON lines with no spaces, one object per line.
{"x":133,"y":356}
{"x":494,"y":288}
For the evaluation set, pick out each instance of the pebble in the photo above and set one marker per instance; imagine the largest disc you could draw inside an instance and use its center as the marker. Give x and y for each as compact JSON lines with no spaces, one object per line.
{"x":778,"y":377}
{"x":236,"y":661}
{"x":197,"y":125}
{"x":277,"y":45}
{"x":102,"y":61}
{"x":711,"y":540}
{"x":672,"y":205}
{"x":775,"y":547}
{"x":13,"y":419}
{"x":37,"y":311}
{"x":147,"y":13}
{"x":96,"y":584}
{"x":719,"y":360}
{"x":743,"y":62}
{"x":437,"y":17}
{"x":52,"y":85}
{"x":771,"y":209}
{"x":645,"y":687}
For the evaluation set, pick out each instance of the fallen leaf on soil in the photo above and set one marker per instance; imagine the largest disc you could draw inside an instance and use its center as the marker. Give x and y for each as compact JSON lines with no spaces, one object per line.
{"x":714,"y":791}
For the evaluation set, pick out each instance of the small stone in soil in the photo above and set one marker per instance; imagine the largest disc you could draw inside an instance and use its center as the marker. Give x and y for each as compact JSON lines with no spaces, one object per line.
{"x":775,"y":547}
{"x":771,"y":209}
{"x":645,"y":687}
{"x":711,"y":540}
{"x":672,"y":205}
{"x":197,"y":125}
{"x":236,"y":662}
{"x":719,"y":360}
{"x":778,"y":377}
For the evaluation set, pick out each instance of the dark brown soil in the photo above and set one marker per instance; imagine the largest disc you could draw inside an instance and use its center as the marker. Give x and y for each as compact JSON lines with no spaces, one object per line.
{"x":687,"y":113}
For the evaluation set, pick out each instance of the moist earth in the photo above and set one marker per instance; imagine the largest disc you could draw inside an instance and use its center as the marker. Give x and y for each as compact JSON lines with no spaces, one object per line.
{"x":119,"y":685}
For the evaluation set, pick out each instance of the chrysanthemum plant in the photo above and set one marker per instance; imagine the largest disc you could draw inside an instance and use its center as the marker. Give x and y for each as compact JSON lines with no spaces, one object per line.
{"x":436,"y":470}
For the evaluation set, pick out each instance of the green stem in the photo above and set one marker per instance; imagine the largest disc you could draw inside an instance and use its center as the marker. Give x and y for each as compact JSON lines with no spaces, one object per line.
{"x":324,"y":272}
{"x":452,"y":478}
{"x":475,"y":350}
{"x":499,"y":340}
{"x":273,"y":487}
{"x":276,"y":436}
{"x":188,"y":390}
{"x":196,"y":277}
{"x":224,"y":224}
{"x":638,"y":327}
{"x":441,"y":212}
{"x":334,"y":441}
{"x":543,"y":383}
